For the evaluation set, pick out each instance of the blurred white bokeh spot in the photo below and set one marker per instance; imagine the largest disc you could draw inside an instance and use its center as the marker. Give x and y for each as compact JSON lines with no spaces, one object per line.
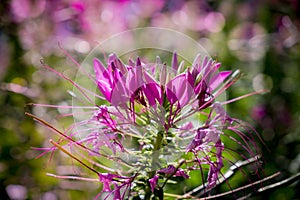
{"x":262,"y":82}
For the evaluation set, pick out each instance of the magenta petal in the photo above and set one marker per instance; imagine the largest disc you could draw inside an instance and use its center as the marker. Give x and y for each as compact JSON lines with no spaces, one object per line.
{"x":197,"y":141}
{"x":138,"y":62}
{"x":153,"y":93}
{"x":175,"y":62}
{"x":99,"y":69}
{"x":111,"y":58}
{"x":139,"y":76}
{"x":103,"y":79}
{"x":218,"y":79}
{"x":103,"y":117}
{"x":106,"y":179}
{"x":212,"y":176}
{"x":131,"y":84}
{"x":121,"y":66}
{"x":190,"y":79}
{"x":204,"y":64}
{"x":119,"y":94}
{"x":105,"y":89}
{"x":124,"y":88}
{"x":78,"y":6}
{"x":152,"y":90}
{"x":127,"y":85}
{"x":134,"y":80}
{"x":179,"y":89}
{"x":169,"y":170}
{"x":197,"y":61}
{"x":153,"y":182}
{"x":201,"y":88}
{"x":207,"y":68}
{"x":117,"y":194}
{"x":182,"y":173}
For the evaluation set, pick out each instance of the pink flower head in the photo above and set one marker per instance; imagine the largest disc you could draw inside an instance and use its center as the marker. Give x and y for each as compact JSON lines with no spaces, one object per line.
{"x":150,"y":113}
{"x":120,"y":83}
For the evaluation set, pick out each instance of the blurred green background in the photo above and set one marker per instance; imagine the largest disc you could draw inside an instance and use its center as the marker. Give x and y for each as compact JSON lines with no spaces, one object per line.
{"x":261,"y":38}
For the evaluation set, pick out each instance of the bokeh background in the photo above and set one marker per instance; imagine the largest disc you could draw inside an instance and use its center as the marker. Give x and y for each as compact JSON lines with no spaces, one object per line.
{"x":261,"y":38}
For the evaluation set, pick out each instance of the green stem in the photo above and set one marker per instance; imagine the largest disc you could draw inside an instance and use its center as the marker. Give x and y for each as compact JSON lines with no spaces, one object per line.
{"x":157,"y":147}
{"x":154,"y":163}
{"x":148,"y":193}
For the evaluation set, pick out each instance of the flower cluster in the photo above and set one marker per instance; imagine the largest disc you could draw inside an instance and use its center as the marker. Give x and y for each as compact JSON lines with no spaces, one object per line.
{"x":156,"y":124}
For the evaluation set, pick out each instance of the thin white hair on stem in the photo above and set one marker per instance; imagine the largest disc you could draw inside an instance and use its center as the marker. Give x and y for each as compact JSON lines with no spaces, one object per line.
{"x":243,"y":187}
{"x":282,"y":183}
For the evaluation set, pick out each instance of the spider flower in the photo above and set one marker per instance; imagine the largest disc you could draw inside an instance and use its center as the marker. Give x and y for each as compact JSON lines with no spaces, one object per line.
{"x":158,"y":124}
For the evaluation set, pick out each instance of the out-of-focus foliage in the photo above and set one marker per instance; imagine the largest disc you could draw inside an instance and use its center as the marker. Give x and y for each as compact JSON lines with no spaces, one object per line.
{"x":262,"y":38}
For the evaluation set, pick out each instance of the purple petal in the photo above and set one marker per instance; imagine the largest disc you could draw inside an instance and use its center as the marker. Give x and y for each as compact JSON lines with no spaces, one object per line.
{"x":153,"y":182}
{"x":179,"y":89}
{"x":102,"y":116}
{"x":111,"y":58}
{"x":131,"y":63}
{"x":207,"y":68}
{"x":133,"y":80}
{"x":201,"y":88}
{"x":99,"y":69}
{"x":119,"y":94}
{"x":218,"y":79}
{"x":219,"y":149}
{"x":153,"y":93}
{"x":197,"y":61}
{"x":106,"y":179}
{"x":139,"y":76}
{"x":212,"y":176}
{"x":124,"y":88}
{"x":163,"y":75}
{"x":197,"y":141}
{"x":117,"y":194}
{"x":215,"y":167}
{"x":182,"y":173}
{"x":103,"y":79}
{"x":169,"y":170}
{"x":105,"y":89}
{"x":121,"y":66}
{"x":175,"y":62}
{"x":204,"y":64}
{"x":190,"y":79}
{"x":138,"y":62}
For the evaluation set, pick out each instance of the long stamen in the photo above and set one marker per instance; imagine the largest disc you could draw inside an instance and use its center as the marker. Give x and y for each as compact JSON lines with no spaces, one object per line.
{"x":72,"y":156}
